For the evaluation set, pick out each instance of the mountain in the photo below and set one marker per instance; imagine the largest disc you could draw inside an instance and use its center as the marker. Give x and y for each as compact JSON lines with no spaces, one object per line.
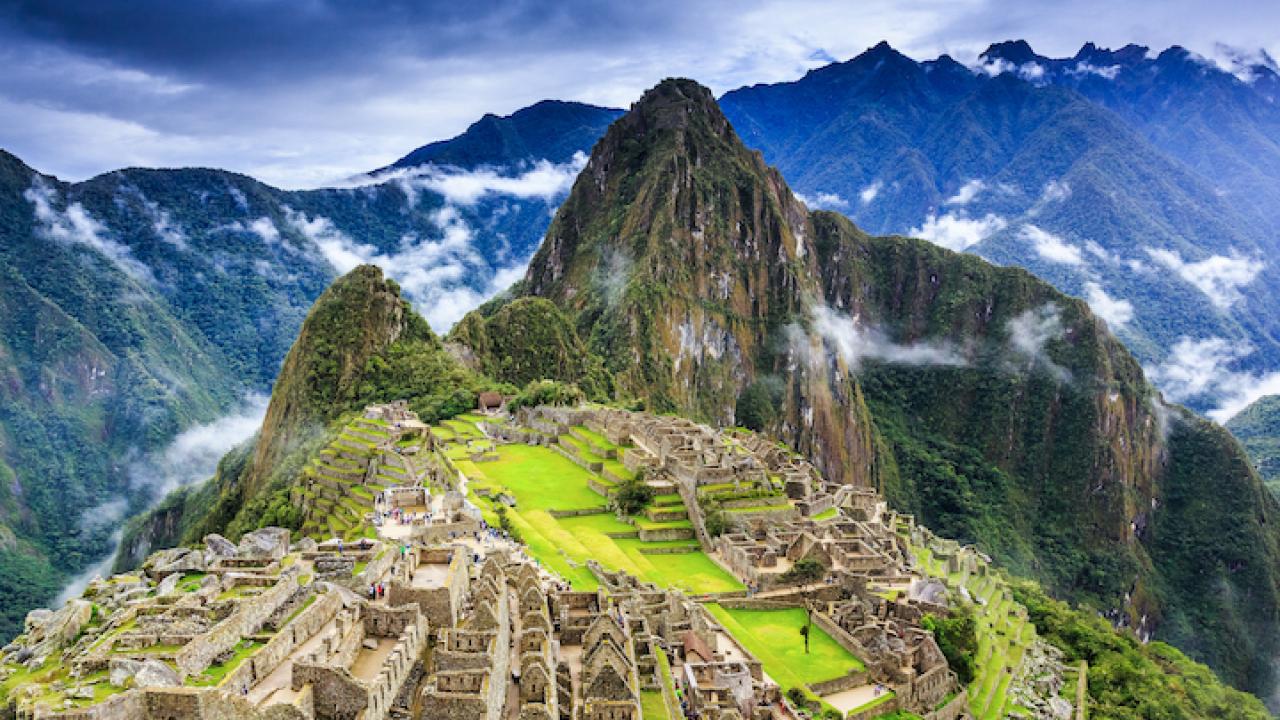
{"x":141,"y":303}
{"x":990,"y":405}
{"x":362,"y":342}
{"x":1257,"y":427}
{"x":549,"y":131}
{"x":1105,"y":174}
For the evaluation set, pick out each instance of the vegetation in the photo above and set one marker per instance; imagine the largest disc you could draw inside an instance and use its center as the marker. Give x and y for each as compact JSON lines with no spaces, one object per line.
{"x":957,"y":637}
{"x":546,"y":392}
{"x":772,"y":636}
{"x":1129,"y":680}
{"x":1257,"y":427}
{"x":804,"y":572}
{"x":632,"y":495}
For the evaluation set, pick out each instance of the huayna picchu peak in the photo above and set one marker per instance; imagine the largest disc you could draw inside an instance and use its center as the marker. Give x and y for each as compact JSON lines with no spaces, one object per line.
{"x":895,"y":387}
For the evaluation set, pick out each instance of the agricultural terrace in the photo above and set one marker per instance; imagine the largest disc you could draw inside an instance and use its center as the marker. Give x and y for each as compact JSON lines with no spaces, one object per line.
{"x":561,"y":511}
{"x":1004,"y":634}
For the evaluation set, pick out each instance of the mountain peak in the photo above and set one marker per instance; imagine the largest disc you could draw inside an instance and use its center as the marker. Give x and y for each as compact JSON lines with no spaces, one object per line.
{"x":1017,"y":52}
{"x":674,"y":102}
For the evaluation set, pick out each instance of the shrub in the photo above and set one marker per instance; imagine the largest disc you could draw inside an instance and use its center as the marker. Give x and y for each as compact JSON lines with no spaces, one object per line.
{"x":632,"y":496}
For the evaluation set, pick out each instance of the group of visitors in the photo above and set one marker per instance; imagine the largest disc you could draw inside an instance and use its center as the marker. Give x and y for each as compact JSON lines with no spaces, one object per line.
{"x":377,"y":591}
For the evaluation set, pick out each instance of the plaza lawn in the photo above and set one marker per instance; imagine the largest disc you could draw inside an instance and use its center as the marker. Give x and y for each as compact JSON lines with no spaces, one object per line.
{"x":541,"y":480}
{"x":773,"y":636}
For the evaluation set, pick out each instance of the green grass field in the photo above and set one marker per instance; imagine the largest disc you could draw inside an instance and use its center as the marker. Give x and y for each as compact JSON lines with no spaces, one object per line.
{"x":543,"y":480}
{"x":651,"y":706}
{"x":774,"y":637}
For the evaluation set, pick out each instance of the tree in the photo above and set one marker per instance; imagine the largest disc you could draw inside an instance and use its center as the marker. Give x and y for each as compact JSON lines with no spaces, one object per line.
{"x":631,"y":496}
{"x":804,"y":633}
{"x":957,"y":638}
{"x":804,"y":572}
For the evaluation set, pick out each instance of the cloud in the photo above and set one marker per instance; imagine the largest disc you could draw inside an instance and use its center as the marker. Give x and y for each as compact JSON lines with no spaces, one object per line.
{"x":191,"y":457}
{"x":966,"y":193}
{"x":1201,"y":371}
{"x":164,"y":227}
{"x":546,"y":181}
{"x":1029,"y":336}
{"x":1051,"y":247}
{"x":75,"y":226}
{"x":1030,"y":71}
{"x":869,"y":193}
{"x":958,"y":232}
{"x":1054,"y":191}
{"x":854,"y":343}
{"x":1219,"y":277}
{"x":1117,"y":312}
{"x":438,"y":275}
{"x":822,"y":201}
{"x":1084,"y":67}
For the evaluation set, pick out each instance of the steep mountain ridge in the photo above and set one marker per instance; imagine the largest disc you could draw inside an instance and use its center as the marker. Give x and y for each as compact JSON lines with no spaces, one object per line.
{"x":1030,"y":163}
{"x":361,"y":343}
{"x":978,"y":397}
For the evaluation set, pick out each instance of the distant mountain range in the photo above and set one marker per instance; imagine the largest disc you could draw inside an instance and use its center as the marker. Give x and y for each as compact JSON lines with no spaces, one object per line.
{"x":141,"y":302}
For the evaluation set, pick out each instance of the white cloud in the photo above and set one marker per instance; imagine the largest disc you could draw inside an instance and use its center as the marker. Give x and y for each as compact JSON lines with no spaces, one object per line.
{"x":966,"y":193}
{"x":867,"y":194}
{"x":822,"y":201}
{"x":1052,"y":247}
{"x":1200,"y":370}
{"x":75,"y":226}
{"x":1219,"y":277}
{"x":164,"y":227}
{"x":189,"y":458}
{"x":436,"y":275}
{"x":1116,"y":311}
{"x":855,"y":343}
{"x":1084,"y":67}
{"x":1029,"y":336}
{"x":957,"y":232}
{"x":265,"y":229}
{"x":1055,"y":190}
{"x":1194,"y":368}
{"x":545,"y":180}
{"x":1030,"y":71}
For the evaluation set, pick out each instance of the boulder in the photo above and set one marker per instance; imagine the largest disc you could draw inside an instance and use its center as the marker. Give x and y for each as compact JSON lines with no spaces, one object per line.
{"x":169,"y":585}
{"x":155,"y":673}
{"x":306,"y":545}
{"x":219,"y":546}
{"x":122,"y":670}
{"x":270,"y":542}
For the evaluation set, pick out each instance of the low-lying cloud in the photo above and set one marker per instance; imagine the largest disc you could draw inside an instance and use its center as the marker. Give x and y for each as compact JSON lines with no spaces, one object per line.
{"x":823,"y":201}
{"x":1116,"y":311}
{"x":75,"y":226}
{"x":955,"y":231}
{"x":1029,"y":336}
{"x":855,"y":343}
{"x":437,"y":275}
{"x":189,"y":458}
{"x":1200,"y":370}
{"x":543,"y":180}
{"x":1052,"y":247}
{"x":1219,"y":277}
{"x":967,"y":193}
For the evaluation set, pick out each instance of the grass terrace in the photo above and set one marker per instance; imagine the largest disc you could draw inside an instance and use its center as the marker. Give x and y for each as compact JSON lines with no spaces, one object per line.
{"x":1004,"y":635}
{"x":541,"y":480}
{"x":774,"y":637}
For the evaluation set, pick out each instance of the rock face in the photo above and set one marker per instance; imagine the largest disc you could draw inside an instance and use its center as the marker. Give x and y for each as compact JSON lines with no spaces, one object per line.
{"x":988,"y":404}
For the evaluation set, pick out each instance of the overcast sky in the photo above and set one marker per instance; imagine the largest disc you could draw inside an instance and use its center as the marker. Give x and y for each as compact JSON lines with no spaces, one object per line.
{"x":302,"y":92}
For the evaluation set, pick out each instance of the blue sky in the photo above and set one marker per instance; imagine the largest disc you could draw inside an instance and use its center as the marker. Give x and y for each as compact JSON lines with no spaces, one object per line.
{"x":303,"y":92}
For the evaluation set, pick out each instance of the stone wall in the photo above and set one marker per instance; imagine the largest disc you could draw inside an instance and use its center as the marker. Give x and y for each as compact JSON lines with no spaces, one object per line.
{"x":249,"y":616}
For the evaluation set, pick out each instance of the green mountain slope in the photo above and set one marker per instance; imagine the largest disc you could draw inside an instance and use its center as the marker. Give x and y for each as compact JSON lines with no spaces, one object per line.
{"x":982,"y":399}
{"x":361,"y":343}
{"x":1257,"y":427}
